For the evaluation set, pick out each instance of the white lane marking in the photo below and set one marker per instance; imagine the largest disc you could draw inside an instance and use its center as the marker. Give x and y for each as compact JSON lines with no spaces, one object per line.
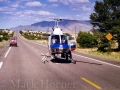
{"x":7,"y":52}
{"x":97,"y":60}
{"x":1,"y":63}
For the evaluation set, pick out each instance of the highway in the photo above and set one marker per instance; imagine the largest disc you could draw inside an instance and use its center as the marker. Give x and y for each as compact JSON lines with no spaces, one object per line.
{"x":21,"y":69}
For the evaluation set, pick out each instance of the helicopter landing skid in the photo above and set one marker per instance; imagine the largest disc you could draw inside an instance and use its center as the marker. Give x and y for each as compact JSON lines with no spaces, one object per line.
{"x":49,"y":55}
{"x":46,"y":56}
{"x":72,"y":61}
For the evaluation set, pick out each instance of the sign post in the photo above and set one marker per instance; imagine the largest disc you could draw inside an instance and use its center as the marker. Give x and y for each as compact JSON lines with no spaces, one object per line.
{"x":109,"y":37}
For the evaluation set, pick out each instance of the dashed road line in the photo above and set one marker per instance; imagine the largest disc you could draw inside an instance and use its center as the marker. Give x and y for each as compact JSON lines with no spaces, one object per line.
{"x":56,"y":63}
{"x":7,"y":52}
{"x":1,"y":63}
{"x":91,"y":83}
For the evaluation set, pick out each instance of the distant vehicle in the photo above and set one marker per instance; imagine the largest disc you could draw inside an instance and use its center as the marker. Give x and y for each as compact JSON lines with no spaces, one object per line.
{"x":13,"y":41}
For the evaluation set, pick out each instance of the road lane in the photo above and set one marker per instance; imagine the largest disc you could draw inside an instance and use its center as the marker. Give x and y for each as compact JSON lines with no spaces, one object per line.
{"x":23,"y":70}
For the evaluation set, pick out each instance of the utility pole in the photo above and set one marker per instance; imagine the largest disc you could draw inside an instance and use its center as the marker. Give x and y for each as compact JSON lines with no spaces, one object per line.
{"x":75,"y":31}
{"x":48,"y":29}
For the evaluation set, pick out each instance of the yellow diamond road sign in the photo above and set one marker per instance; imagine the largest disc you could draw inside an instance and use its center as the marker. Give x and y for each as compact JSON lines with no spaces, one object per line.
{"x":109,"y":36}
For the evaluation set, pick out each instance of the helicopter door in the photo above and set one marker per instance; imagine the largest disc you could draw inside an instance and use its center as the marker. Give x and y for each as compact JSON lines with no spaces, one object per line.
{"x":72,"y":41}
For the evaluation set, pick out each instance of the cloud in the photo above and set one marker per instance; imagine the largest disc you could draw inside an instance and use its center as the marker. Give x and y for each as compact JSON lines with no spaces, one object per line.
{"x":83,"y":8}
{"x":53,"y":0}
{"x":3,"y":0}
{"x":5,"y":8}
{"x":75,"y":4}
{"x":31,"y":12}
{"x":31,"y":15}
{"x":45,"y":13}
{"x":8,"y":13}
{"x":15,"y":5}
{"x":82,"y":16}
{"x":54,"y":5}
{"x":66,"y":2}
{"x":35,"y":4}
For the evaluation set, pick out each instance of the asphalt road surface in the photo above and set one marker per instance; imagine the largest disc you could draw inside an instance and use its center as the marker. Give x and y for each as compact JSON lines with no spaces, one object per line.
{"x":21,"y":69}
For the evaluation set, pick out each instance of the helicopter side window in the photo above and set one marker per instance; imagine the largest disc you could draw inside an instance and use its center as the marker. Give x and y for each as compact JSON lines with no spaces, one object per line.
{"x":55,"y":39}
{"x":64,"y":39}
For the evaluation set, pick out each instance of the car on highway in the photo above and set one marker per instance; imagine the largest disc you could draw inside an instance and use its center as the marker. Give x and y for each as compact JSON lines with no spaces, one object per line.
{"x":13,"y":41}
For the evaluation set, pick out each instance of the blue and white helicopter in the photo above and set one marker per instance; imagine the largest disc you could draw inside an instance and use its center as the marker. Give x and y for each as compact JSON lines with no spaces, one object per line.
{"x":59,"y":43}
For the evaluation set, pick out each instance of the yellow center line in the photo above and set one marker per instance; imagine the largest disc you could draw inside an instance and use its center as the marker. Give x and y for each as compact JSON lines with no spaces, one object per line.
{"x":42,"y":54}
{"x":91,"y":83}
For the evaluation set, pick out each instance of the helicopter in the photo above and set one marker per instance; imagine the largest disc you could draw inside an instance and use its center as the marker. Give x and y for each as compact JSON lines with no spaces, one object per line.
{"x":59,"y":43}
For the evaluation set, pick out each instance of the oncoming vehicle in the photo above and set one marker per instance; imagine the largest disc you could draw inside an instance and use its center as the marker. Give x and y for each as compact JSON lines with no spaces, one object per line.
{"x":13,"y":41}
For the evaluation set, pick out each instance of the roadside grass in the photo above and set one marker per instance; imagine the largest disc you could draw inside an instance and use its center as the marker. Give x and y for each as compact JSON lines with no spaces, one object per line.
{"x":41,"y":41}
{"x":3,"y":42}
{"x":93,"y":51}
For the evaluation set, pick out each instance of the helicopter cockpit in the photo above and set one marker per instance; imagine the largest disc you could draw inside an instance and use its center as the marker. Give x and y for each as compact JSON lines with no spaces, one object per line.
{"x":59,"y":39}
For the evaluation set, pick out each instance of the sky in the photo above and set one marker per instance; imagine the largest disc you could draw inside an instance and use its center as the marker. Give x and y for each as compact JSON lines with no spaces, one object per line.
{"x":25,"y":12}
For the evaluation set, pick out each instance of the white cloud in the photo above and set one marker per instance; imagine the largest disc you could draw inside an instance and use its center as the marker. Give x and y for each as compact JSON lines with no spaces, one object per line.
{"x":75,"y":4}
{"x":3,"y":0}
{"x":15,"y":5}
{"x":45,"y":13}
{"x":85,"y":8}
{"x":67,"y":2}
{"x":54,"y":5}
{"x":8,"y":12}
{"x":1,"y":9}
{"x":34,"y":13}
{"x":18,"y":13}
{"x":82,"y":16}
{"x":34,"y":4}
{"x":29,"y":12}
{"x":7,"y":9}
{"x":53,"y":0}
{"x":21,"y":15}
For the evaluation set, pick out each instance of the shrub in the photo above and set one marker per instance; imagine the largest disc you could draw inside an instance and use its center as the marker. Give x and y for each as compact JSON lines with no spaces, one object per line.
{"x":86,"y":40}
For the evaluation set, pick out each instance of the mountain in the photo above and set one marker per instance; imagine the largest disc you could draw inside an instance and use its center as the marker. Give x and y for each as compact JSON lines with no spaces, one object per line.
{"x":66,"y":25}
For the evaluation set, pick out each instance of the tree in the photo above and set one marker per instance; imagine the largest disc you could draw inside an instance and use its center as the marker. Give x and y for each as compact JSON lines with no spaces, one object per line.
{"x":86,"y":40}
{"x":116,"y":33}
{"x":106,"y":16}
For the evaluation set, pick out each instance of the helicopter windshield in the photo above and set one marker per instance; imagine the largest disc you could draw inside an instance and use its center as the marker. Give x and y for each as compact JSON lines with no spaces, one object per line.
{"x":55,"y":39}
{"x":64,"y":39}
